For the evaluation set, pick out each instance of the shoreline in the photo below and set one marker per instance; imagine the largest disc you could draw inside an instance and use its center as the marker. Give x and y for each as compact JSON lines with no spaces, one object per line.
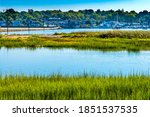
{"x":14,"y":29}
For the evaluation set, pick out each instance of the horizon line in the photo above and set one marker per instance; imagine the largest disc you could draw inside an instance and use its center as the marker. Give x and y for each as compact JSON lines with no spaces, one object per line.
{"x":63,"y":10}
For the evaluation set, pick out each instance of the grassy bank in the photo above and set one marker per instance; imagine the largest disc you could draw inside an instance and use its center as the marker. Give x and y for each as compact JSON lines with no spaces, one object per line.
{"x":111,"y":40}
{"x":77,"y":87}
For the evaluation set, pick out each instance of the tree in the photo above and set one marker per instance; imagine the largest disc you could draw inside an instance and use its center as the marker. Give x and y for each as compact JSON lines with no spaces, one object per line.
{"x":86,"y":15}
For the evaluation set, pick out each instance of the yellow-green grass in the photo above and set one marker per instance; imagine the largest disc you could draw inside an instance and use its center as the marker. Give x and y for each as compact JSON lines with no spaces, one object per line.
{"x":111,"y":40}
{"x":84,"y":87}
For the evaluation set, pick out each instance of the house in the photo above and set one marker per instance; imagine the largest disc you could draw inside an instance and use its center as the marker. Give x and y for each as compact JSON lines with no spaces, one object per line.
{"x":34,"y":23}
{"x":16,"y":23}
{"x":106,"y":24}
{"x":70,"y":23}
{"x":64,"y":24}
{"x":113,"y":24}
{"x":73,"y":23}
{"x":57,"y":22}
{"x":52,"y":22}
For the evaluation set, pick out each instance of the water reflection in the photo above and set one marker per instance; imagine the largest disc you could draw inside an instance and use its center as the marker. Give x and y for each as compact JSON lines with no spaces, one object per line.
{"x":46,"y":61}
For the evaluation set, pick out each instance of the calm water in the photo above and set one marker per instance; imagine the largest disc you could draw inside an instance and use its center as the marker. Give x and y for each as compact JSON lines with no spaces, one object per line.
{"x":60,"y":31}
{"x":54,"y":31}
{"x":44,"y":61}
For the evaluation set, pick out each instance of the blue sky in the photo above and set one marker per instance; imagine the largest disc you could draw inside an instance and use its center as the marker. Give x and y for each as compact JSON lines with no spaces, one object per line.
{"x":137,"y":5}
{"x":51,"y":2}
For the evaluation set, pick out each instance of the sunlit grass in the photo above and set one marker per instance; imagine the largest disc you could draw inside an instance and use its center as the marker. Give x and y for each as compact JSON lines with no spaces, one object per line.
{"x":84,"y":87}
{"x":110,"y":40}
{"x":112,"y":34}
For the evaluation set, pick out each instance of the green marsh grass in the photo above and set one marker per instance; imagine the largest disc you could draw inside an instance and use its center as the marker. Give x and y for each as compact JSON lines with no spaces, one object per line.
{"x":85,"y":87}
{"x":109,"y":40}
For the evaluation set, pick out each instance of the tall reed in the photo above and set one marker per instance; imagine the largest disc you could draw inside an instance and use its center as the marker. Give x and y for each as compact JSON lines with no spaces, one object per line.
{"x":85,"y":87}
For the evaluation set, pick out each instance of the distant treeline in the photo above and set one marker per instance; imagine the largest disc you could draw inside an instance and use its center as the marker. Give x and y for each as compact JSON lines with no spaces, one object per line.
{"x":99,"y":16}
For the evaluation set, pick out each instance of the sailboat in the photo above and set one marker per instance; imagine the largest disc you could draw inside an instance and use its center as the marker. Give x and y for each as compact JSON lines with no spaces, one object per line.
{"x":117,"y":26}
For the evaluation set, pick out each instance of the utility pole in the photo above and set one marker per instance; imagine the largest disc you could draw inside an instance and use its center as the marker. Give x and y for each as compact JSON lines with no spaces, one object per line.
{"x":7,"y":25}
{"x":117,"y":18}
{"x":43,"y":22}
{"x":42,"y":18}
{"x":28,"y":25}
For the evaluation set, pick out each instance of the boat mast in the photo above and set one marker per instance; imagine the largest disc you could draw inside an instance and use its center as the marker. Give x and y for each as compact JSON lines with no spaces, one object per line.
{"x":117,"y":18}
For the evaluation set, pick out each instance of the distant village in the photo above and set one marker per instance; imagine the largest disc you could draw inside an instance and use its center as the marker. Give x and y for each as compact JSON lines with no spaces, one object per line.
{"x":58,"y":22}
{"x":82,"y":19}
